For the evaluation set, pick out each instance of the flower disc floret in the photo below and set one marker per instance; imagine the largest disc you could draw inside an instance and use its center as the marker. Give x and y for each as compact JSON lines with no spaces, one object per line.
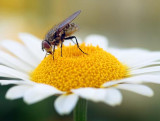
{"x":76,"y":70}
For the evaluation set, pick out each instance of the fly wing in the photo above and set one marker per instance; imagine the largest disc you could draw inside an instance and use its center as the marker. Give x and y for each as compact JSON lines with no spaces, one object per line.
{"x":64,"y":23}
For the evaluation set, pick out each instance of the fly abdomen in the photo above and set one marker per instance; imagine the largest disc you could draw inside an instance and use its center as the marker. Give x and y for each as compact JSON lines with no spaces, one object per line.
{"x":70,"y":29}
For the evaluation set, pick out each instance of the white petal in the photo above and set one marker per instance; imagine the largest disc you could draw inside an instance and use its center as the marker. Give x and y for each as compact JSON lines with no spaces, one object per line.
{"x":151,"y":79}
{"x":141,"y":65}
{"x":132,"y":53}
{"x":12,"y":72}
{"x":135,"y":57}
{"x":17,"y":91}
{"x":140,"y":89}
{"x":6,"y":75}
{"x":18,"y":82}
{"x":135,"y":79}
{"x":20,"y":51}
{"x":146,"y":59}
{"x":109,"y":96}
{"x":40,"y":92}
{"x":14,"y":62}
{"x":65,"y":103}
{"x":33,"y":44}
{"x":95,"y":40}
{"x":145,"y":70}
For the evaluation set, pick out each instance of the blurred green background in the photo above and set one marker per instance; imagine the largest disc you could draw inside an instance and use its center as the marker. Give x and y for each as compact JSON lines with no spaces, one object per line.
{"x":126,"y":23}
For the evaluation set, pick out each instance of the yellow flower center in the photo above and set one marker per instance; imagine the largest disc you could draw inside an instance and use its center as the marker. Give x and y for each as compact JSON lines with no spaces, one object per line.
{"x":75,"y":69}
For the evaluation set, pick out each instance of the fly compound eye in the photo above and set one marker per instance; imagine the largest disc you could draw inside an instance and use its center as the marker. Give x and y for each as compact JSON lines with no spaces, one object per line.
{"x":46,"y":46}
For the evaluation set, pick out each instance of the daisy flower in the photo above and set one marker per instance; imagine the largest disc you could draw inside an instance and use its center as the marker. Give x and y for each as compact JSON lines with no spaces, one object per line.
{"x":98,"y":76}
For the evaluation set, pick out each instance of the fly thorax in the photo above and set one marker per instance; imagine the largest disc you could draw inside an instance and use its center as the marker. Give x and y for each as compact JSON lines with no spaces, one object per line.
{"x":56,"y":41}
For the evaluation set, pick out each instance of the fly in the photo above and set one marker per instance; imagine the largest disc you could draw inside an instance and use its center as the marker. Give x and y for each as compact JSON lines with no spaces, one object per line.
{"x":59,"y":33}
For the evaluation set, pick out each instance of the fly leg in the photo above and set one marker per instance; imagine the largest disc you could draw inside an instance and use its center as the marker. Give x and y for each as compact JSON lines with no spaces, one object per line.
{"x":71,"y":40}
{"x":53,"y":51}
{"x":61,"y":47}
{"x":73,"y":37}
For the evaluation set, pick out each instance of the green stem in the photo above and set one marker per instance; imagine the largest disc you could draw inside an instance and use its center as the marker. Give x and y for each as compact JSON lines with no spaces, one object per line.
{"x":80,"y":111}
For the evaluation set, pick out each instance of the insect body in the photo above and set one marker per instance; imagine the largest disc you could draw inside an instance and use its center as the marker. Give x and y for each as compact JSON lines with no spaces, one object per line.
{"x":59,"y":33}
